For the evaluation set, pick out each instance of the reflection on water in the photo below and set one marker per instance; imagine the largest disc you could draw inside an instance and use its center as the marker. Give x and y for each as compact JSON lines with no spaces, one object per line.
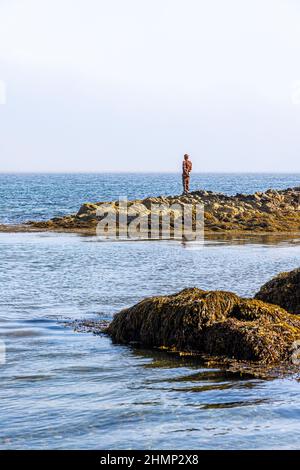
{"x":65,"y":389}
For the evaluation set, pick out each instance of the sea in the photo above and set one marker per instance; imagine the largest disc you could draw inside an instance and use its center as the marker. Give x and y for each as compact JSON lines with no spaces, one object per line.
{"x":66,"y":389}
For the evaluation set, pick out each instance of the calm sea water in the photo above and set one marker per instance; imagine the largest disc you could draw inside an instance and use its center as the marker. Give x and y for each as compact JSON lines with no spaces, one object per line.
{"x":62,"y":389}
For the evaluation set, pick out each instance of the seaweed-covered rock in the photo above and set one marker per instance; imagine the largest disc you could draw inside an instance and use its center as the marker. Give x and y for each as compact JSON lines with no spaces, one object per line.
{"x":211,"y":322}
{"x":283,"y":290}
{"x":268,"y":212}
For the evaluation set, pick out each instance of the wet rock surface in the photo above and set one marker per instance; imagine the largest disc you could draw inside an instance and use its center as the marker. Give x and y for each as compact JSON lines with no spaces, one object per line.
{"x":218,"y":324}
{"x":283,"y":290}
{"x":270,"y":211}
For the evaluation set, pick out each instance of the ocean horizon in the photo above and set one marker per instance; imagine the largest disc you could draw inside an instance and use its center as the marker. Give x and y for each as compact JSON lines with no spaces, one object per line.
{"x":149,"y":231}
{"x":66,"y":389}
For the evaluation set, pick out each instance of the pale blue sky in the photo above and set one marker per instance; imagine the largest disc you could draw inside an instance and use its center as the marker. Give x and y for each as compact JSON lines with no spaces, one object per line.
{"x":94,"y":85}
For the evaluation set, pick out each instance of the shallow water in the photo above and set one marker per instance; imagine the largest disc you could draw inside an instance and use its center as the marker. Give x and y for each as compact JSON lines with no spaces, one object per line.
{"x":62,"y":389}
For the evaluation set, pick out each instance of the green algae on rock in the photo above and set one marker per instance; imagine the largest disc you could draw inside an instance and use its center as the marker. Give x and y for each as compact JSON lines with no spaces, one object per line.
{"x":263,"y":212}
{"x":216,"y":323}
{"x":283,"y":290}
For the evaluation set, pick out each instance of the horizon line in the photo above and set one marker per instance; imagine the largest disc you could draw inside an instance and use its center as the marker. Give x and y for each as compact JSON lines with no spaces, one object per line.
{"x":99,"y":172}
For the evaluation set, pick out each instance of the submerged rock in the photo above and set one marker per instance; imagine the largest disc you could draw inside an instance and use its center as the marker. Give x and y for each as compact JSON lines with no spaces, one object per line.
{"x":211,"y":322}
{"x":283,"y":290}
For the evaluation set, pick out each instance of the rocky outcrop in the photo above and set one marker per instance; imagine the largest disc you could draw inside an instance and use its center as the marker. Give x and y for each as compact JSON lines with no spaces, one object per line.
{"x":219,"y":324}
{"x":271,"y":211}
{"x":283,"y":290}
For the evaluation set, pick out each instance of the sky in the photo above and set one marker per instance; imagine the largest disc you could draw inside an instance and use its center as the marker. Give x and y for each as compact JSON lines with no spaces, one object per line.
{"x":114,"y":85}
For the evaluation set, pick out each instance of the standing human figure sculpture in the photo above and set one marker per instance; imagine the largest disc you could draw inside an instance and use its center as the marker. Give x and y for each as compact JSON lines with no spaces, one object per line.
{"x":187,"y":167}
